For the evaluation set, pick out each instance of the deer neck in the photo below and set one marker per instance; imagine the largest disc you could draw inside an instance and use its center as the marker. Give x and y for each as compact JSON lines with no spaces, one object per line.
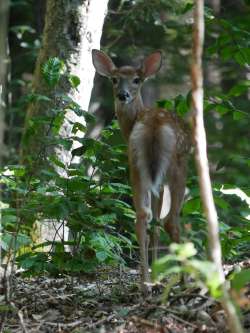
{"x":127,"y":114}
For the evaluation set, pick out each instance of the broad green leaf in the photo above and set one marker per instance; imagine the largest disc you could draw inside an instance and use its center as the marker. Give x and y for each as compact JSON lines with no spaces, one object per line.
{"x":52,"y":71}
{"x":221,"y":202}
{"x":74,"y":81}
{"x":192,"y":206}
{"x":238,"y":90}
{"x":78,"y":127}
{"x":101,"y":256}
{"x":240,"y":279}
{"x":222,"y":109}
{"x":240,"y":58}
{"x":238,"y":115}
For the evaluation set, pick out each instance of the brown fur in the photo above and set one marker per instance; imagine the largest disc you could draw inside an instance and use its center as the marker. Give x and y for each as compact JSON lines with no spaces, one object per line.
{"x":158,"y":146}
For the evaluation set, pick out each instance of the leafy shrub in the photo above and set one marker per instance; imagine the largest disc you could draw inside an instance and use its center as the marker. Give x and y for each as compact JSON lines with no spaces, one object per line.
{"x":94,"y":205}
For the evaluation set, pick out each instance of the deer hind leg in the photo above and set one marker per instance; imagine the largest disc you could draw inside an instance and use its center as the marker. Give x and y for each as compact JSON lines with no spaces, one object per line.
{"x":156,"y":208}
{"x":142,"y":203}
{"x":177,"y":182}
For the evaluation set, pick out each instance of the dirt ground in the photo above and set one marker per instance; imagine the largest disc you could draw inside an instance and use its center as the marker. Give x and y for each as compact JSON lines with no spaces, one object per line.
{"x":109,"y":302}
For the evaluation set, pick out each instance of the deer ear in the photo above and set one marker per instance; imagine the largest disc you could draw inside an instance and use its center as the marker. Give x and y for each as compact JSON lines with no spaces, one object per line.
{"x":152,"y":64}
{"x":102,"y":63}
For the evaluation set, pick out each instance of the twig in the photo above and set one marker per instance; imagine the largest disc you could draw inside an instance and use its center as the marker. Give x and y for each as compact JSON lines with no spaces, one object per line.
{"x":182,"y":320}
{"x":190,"y":295}
{"x":76,"y":323}
{"x":145,"y":322}
{"x":20,"y":316}
{"x":101,"y":321}
{"x":73,"y":324}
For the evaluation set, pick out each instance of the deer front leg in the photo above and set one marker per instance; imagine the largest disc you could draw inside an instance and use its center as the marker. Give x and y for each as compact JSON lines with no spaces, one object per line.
{"x":177,"y":182}
{"x":142,"y":203}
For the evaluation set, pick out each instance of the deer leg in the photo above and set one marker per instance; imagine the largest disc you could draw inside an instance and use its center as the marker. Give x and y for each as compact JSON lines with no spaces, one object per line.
{"x":143,"y":217}
{"x":177,"y":182}
{"x":142,"y":203}
{"x":156,"y":208}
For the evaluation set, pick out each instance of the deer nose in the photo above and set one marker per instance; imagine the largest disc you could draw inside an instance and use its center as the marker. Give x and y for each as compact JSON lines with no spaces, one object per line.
{"x":123,"y":95}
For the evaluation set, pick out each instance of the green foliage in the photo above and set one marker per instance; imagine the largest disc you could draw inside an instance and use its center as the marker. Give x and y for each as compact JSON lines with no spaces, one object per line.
{"x":180,"y":104}
{"x":240,"y":279}
{"x":90,"y":198}
{"x":52,"y":71}
{"x":74,"y":81}
{"x":232,"y":205}
{"x":181,"y":260}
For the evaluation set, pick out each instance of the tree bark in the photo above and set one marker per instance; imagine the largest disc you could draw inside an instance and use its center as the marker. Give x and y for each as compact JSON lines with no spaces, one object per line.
{"x":4,"y":64}
{"x":72,"y":29}
{"x":202,"y":163}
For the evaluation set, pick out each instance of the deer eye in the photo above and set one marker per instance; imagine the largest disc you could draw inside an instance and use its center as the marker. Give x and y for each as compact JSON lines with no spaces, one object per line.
{"x":136,"y":80}
{"x":114,"y":80}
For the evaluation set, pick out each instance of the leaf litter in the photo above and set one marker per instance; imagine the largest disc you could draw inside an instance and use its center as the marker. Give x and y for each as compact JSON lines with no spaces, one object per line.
{"x":109,"y":301}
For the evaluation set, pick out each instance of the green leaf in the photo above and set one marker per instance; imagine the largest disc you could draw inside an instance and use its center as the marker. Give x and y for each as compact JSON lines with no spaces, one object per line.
{"x":183,"y":251}
{"x":11,"y":242}
{"x":66,"y":143}
{"x":181,"y":105}
{"x":240,"y":279}
{"x":227,"y":52}
{"x":101,"y":255}
{"x":166,"y":104}
{"x":188,"y":7}
{"x":74,"y":81}
{"x":52,"y":71}
{"x":78,"y":151}
{"x":238,"y":90}
{"x":238,"y":115}
{"x":8,"y":220}
{"x":19,"y":30}
{"x":78,"y":127}
{"x":221,"y":203}
{"x":58,"y":122}
{"x":192,"y":206}
{"x":106,"y":219}
{"x":242,"y":57}
{"x":57,"y":162}
{"x":76,"y":184}
{"x":32,"y":97}
{"x":222,"y":109}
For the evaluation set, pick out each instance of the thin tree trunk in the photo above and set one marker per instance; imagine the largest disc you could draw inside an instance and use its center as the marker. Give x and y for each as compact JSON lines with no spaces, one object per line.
{"x":4,"y":64}
{"x":202,"y":163}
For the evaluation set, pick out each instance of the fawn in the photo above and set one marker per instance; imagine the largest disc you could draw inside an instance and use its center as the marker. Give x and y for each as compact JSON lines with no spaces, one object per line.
{"x":158,"y":147}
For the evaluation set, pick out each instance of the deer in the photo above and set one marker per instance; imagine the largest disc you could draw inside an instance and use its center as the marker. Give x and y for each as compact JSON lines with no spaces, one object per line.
{"x":158,"y":147}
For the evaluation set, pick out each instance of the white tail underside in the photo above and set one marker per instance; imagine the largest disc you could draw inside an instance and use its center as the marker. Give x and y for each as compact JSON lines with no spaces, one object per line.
{"x":164,"y":141}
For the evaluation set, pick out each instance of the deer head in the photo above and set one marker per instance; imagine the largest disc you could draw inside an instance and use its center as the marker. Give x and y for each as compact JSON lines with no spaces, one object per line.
{"x":127,"y":80}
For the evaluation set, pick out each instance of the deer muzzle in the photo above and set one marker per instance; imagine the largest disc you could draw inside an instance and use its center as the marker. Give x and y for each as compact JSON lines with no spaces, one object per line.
{"x":123,"y":96}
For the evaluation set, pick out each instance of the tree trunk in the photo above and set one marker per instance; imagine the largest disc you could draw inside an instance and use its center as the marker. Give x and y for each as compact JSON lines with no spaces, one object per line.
{"x":72,"y":29}
{"x":4,"y":62}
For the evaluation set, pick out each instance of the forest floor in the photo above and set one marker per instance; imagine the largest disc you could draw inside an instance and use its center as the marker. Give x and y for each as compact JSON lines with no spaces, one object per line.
{"x":110,"y":302}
